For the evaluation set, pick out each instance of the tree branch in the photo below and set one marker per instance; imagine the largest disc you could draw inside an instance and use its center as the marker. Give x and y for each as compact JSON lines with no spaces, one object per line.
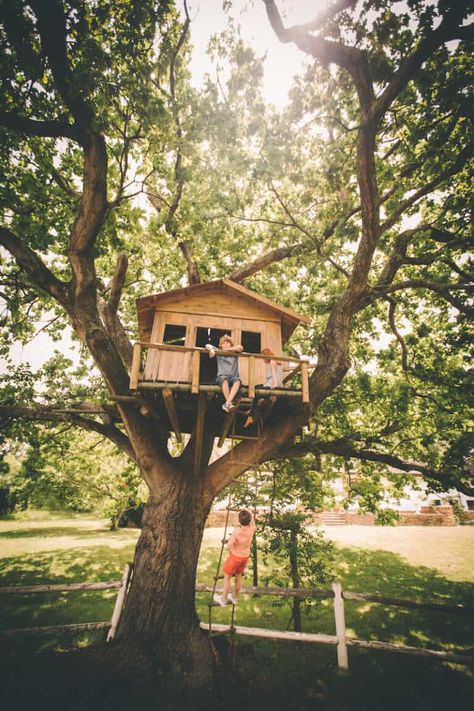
{"x":109,"y":311}
{"x":50,"y":414}
{"x":463,"y":156}
{"x":265,"y":260}
{"x":324,"y":16}
{"x":441,"y":288}
{"x":32,"y":127}
{"x":37,"y":271}
{"x":449,"y":29}
{"x":52,"y":28}
{"x":350,"y":58}
{"x":193,"y":273}
{"x":344,"y":448}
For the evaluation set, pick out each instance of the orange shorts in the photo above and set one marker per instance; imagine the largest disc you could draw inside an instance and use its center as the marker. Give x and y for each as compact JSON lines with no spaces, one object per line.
{"x":234,"y":565}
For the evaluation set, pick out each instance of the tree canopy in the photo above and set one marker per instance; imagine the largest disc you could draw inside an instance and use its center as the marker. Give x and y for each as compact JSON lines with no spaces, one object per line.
{"x":353,"y":204}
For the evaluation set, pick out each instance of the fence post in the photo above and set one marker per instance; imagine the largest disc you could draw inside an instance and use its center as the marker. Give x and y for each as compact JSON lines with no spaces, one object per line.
{"x":342,"y":659}
{"x":117,"y":613}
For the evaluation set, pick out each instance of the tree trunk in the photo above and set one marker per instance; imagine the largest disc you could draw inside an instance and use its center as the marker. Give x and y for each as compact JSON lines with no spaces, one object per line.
{"x":160,"y":616}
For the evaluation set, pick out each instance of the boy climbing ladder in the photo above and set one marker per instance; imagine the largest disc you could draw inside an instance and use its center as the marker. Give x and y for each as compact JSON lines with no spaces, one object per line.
{"x":239,"y":550}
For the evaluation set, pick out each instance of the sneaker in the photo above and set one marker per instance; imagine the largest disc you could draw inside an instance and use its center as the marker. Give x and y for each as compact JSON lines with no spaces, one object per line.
{"x":226,"y":407}
{"x":219,"y":600}
{"x":234,"y":600}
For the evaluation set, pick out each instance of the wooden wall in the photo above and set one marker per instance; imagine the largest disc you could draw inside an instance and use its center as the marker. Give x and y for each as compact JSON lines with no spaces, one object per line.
{"x":222,"y":311}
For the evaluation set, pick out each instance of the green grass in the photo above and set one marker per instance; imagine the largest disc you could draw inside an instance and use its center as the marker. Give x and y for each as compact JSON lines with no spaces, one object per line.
{"x":388,"y":562}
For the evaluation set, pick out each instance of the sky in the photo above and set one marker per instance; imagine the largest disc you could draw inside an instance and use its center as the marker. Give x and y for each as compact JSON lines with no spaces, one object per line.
{"x":282,"y":63}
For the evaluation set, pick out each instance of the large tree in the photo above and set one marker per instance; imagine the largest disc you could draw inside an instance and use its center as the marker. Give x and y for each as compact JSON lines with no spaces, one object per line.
{"x":96,"y":107}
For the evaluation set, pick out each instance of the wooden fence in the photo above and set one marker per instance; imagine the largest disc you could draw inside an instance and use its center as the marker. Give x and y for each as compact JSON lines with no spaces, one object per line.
{"x":340,"y":640}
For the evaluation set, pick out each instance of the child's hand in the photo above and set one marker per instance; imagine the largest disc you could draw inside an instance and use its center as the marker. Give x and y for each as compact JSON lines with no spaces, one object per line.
{"x":211,"y":350}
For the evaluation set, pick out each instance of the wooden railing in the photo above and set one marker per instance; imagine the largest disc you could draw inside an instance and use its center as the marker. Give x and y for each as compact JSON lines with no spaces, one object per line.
{"x":340,"y":640}
{"x":298,"y":366}
{"x":112,"y":626}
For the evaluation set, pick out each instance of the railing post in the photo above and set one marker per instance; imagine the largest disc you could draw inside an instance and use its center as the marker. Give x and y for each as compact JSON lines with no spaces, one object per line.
{"x":342,"y":659}
{"x":195,"y":365}
{"x":251,"y":376}
{"x":117,"y":613}
{"x":135,"y":369}
{"x":304,"y":381}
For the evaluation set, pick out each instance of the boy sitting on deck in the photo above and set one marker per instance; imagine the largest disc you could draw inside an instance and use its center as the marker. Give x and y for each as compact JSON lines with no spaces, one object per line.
{"x":239,"y":547}
{"x":227,"y":370}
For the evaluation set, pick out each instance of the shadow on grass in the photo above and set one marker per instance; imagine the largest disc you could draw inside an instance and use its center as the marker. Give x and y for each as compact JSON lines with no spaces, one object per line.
{"x":74,"y":565}
{"x":377,"y":572}
{"x":54,"y":532}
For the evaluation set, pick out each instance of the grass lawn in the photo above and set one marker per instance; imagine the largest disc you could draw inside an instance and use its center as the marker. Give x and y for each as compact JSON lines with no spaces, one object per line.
{"x":426,"y":564}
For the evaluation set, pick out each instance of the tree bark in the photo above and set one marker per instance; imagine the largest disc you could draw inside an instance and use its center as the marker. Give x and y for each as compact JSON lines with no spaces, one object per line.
{"x":160,"y":614}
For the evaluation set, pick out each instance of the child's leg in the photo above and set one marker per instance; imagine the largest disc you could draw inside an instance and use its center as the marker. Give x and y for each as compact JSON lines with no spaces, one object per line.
{"x":226,"y":588}
{"x":234,"y":390}
{"x":225,"y":390}
{"x":237,"y":579}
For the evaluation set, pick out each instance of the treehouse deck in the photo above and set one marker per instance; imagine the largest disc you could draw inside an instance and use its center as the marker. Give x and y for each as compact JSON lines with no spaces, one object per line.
{"x":184,"y":406}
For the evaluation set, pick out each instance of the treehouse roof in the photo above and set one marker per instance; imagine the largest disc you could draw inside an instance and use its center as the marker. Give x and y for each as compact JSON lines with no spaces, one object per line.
{"x":147,"y":305}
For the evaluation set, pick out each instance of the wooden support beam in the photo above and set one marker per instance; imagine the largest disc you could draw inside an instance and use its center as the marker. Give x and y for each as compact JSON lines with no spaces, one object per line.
{"x":170,"y":405}
{"x":304,"y":381}
{"x":199,"y":430}
{"x":136,"y":363}
{"x":226,"y":425}
{"x":186,"y":388}
{"x":251,"y":384}
{"x":195,"y":365}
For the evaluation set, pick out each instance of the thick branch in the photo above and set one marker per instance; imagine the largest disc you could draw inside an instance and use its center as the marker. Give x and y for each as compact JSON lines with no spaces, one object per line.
{"x":109,"y":310}
{"x":48,"y":414}
{"x":32,"y":127}
{"x":344,"y":448}
{"x":265,"y":260}
{"x":449,"y":29}
{"x":327,"y":52}
{"x":52,"y":29}
{"x":193,"y":273}
{"x":325,"y":15}
{"x":441,"y":288}
{"x":398,"y":254}
{"x":37,"y":271}
{"x":116,"y":284}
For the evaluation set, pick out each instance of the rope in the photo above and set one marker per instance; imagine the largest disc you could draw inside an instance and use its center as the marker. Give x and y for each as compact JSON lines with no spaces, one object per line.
{"x":216,"y":576}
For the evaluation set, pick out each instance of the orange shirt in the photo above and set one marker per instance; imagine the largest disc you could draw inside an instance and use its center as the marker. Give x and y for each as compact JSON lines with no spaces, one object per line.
{"x":241,"y":539}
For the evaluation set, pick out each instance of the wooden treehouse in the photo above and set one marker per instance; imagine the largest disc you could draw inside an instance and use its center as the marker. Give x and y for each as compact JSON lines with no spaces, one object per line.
{"x":173,"y":375}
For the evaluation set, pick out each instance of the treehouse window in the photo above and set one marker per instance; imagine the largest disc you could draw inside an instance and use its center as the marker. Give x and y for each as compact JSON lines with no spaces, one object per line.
{"x":209,"y":335}
{"x":208,"y":366}
{"x":252,"y":341}
{"x":174,"y":335}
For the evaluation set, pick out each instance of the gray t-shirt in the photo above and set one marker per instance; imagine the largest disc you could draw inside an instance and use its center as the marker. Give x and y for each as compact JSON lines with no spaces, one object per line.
{"x":228,"y":366}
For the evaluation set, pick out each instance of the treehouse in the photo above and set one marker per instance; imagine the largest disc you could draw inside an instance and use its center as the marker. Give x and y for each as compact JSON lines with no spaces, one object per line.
{"x":173,"y":375}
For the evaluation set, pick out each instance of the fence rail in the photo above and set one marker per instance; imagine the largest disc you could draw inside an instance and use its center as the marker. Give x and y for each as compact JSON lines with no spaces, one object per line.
{"x":339,"y":640}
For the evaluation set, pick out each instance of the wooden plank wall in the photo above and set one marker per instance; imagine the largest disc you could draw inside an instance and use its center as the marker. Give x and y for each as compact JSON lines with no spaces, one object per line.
{"x":210,"y":311}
